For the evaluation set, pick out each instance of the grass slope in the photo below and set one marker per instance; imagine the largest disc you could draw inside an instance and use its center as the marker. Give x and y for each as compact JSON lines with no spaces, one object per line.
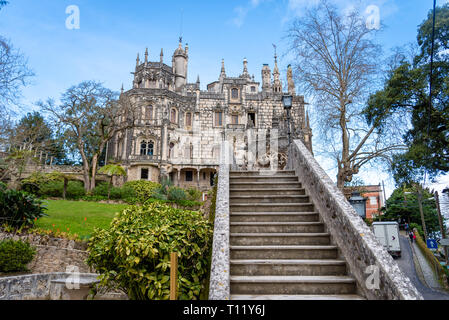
{"x":78,"y":217}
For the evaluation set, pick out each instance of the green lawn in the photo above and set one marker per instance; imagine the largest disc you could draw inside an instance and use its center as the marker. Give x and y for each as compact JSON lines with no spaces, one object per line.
{"x":78,"y":216}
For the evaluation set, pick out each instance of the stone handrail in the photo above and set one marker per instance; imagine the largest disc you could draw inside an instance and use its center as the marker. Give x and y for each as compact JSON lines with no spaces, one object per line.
{"x":368,"y":262}
{"x":219,"y":288}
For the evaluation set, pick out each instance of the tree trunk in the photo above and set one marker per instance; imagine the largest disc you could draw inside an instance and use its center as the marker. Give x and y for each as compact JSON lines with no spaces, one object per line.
{"x":343,"y":168}
{"x":64,"y":191}
{"x":94,"y":172}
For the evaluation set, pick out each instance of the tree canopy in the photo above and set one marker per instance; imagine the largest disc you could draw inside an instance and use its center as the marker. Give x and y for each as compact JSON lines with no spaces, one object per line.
{"x":406,"y":91}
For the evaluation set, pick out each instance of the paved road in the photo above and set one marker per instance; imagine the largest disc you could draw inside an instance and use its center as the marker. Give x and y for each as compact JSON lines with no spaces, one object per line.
{"x":407,"y":266}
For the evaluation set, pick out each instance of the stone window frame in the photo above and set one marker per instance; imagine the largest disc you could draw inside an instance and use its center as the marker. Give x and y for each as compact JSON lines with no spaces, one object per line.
{"x":191,"y":119}
{"x":185,"y":174}
{"x":216,"y":124}
{"x":147,"y":173}
{"x":235,"y":89}
{"x":151,"y":113}
{"x":173,"y":109}
{"x":145,"y":151}
{"x":235,"y":116}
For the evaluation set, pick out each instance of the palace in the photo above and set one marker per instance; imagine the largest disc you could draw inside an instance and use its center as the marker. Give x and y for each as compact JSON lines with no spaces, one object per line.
{"x":180,"y":127}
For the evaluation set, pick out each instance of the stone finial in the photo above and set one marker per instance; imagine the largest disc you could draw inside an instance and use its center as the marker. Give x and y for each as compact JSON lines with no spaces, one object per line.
{"x":146,"y":55}
{"x":198,"y":79}
{"x":162,"y":55}
{"x":291,"y":83}
{"x":122,"y":89}
{"x":223,"y":71}
{"x":137,"y":60}
{"x":187,"y":49}
{"x":245,"y":73}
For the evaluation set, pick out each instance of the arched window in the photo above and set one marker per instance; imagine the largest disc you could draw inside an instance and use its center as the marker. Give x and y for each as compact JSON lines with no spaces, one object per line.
{"x":188,"y":119}
{"x":149,"y":113}
{"x":173,"y":116}
{"x":143,"y":148}
{"x":235,"y":93}
{"x":150,"y":150}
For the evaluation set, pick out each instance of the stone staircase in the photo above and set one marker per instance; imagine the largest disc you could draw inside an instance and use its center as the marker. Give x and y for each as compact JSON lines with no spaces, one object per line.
{"x":279,"y":248}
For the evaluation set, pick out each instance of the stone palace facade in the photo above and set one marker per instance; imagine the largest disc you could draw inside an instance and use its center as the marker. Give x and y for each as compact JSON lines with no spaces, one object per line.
{"x":181,"y":127}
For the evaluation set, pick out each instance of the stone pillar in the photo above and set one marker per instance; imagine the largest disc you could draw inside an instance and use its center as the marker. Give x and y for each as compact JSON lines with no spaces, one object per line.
{"x":198,"y":176}
{"x":178,"y":181}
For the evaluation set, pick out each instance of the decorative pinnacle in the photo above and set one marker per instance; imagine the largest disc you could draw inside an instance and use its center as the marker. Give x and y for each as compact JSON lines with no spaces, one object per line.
{"x":146,"y":55}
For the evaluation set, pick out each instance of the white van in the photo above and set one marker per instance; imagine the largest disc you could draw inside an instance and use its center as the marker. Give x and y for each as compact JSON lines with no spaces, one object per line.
{"x":388,"y":235}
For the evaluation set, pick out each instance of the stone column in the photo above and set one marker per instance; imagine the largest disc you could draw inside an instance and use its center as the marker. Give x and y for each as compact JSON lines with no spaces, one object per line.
{"x":198,"y":176}
{"x":178,"y":181}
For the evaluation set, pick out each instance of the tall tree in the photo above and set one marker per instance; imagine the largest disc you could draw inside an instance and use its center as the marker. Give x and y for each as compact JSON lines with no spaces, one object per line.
{"x":407,"y":91}
{"x":337,"y":62}
{"x":14,"y":74}
{"x":90,"y":115}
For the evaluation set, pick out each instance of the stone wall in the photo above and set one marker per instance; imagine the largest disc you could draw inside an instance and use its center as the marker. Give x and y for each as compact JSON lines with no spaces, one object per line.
{"x":53,"y":254}
{"x":349,"y":232}
{"x":34,"y":287}
{"x":219,"y":288}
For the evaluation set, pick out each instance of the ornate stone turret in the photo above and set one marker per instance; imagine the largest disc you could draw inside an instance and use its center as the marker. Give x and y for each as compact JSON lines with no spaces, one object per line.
{"x":245,"y":73}
{"x":277,"y":84}
{"x":291,"y":84}
{"x":162,"y":56}
{"x":266,"y":78}
{"x":179,"y":64}
{"x":137,"y":61}
{"x":223,"y":71}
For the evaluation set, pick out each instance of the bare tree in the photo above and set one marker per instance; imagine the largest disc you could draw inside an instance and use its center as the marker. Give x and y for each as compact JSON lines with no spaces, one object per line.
{"x":337,"y":62}
{"x":90,"y":116}
{"x":14,"y":74}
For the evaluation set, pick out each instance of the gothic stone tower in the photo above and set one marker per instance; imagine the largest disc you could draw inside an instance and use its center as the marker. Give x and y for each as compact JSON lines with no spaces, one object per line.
{"x":180,"y":127}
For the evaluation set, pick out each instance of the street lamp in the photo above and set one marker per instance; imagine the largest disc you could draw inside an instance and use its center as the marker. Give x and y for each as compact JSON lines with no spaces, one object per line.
{"x":287,"y":101}
{"x":358,"y":203}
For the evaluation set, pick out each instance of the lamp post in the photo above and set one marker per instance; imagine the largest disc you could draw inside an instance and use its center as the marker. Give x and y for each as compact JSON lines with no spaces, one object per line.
{"x":287,"y":101}
{"x":358,"y":203}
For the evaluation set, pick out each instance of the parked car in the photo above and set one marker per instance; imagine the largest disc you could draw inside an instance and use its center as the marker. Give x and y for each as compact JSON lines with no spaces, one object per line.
{"x":387,"y":232}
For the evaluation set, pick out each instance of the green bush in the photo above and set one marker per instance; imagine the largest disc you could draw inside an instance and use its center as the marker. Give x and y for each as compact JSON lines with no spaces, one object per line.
{"x":18,"y":208}
{"x":134,"y":253}
{"x":176,"y":194}
{"x":194,"y":194}
{"x":15,"y":255}
{"x":75,"y":189}
{"x":142,"y":189}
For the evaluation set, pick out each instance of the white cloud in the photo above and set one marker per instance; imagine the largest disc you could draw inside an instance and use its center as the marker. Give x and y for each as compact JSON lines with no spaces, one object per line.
{"x":242,"y":12}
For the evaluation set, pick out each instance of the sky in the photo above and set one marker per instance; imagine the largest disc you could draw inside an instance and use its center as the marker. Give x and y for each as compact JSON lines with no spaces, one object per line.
{"x":111,"y":33}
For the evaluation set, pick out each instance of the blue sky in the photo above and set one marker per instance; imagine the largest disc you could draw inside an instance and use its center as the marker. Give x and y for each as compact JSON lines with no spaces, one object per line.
{"x":112,"y":32}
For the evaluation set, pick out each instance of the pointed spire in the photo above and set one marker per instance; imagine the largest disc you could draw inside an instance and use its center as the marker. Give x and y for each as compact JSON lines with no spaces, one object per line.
{"x":223,"y":71}
{"x":122,"y":90}
{"x":162,"y":55}
{"x":198,"y":79}
{"x":137,"y":60}
{"x":187,"y":49}
{"x":245,"y":73}
{"x":307,"y":120}
{"x":146,"y":55}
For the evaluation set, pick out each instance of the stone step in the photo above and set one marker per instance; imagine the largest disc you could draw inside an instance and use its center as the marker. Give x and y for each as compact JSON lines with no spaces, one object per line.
{"x":277,"y":267}
{"x":292,"y":285}
{"x":272,"y":207}
{"x":257,"y":192}
{"x":274,"y":217}
{"x":261,"y":173}
{"x":236,"y":185}
{"x":269,"y":199}
{"x":296,"y":297}
{"x":276,"y":227}
{"x":283,"y":252}
{"x":271,"y":179}
{"x":259,"y":239}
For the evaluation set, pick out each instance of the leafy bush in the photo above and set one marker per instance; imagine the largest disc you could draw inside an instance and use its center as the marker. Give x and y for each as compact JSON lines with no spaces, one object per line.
{"x":15,"y":255}
{"x":134,"y":253}
{"x":176,"y":194}
{"x":18,"y":208}
{"x":142,"y":189}
{"x":194,"y":194}
{"x":75,"y":189}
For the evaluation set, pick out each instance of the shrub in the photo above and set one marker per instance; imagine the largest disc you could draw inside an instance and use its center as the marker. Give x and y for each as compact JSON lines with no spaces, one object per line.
{"x":75,"y":189}
{"x":18,"y":208}
{"x":134,"y":253}
{"x":194,"y":194}
{"x":142,"y":189}
{"x":15,"y":255}
{"x":176,"y":194}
